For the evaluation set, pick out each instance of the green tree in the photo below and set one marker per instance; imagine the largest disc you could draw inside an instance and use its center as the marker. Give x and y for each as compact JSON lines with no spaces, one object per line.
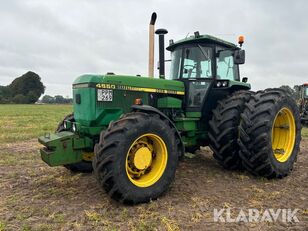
{"x":59,"y":99}
{"x":5,"y":94}
{"x":28,"y":85}
{"x":48,"y":99}
{"x":20,"y":98}
{"x":31,"y":97}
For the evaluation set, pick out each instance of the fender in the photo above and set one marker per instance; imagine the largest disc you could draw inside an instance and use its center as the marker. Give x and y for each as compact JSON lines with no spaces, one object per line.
{"x":152,"y":110}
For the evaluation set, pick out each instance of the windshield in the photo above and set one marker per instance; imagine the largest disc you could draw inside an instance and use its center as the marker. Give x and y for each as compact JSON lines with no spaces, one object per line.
{"x":191,"y":62}
{"x":306,"y":91}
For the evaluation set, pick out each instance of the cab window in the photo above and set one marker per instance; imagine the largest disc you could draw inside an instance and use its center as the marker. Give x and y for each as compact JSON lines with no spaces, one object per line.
{"x":226,"y":69}
{"x":191,"y":62}
{"x":197,"y":62}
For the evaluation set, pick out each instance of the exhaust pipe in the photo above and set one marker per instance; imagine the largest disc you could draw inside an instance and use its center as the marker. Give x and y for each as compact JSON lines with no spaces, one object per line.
{"x":161,"y":35}
{"x":151,"y":45}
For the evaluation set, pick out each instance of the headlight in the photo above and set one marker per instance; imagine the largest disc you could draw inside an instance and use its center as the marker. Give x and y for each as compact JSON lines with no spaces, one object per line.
{"x":224,"y":83}
{"x":65,"y":125}
{"x":74,"y":127}
{"x":218,"y":84}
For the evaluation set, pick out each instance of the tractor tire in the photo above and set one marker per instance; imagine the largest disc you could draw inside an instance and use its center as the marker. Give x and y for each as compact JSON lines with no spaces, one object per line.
{"x":270,"y":134}
{"x":136,"y":158}
{"x":83,"y":166}
{"x":223,"y":130}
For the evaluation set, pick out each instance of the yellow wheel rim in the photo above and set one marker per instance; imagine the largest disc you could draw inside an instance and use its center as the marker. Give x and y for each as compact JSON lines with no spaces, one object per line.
{"x":283,"y":134}
{"x":146,"y":160}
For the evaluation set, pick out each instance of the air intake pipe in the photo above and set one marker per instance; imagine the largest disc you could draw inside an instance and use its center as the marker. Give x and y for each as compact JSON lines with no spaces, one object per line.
{"x":161,"y":35}
{"x":151,"y":45}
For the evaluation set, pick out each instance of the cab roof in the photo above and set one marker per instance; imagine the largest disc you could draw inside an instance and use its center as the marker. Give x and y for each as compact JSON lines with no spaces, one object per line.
{"x":201,"y":39}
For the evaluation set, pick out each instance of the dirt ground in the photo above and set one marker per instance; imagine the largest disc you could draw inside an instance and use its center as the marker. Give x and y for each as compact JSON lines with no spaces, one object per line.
{"x":34,"y":196}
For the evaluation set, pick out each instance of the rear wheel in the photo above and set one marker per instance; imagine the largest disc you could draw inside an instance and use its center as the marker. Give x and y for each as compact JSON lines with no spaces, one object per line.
{"x":223,"y":129}
{"x":270,"y":134}
{"x":136,"y":158}
{"x":86,"y":164}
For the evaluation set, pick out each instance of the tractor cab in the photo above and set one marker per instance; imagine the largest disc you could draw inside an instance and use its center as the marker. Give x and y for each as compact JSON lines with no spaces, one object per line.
{"x":209,"y":68}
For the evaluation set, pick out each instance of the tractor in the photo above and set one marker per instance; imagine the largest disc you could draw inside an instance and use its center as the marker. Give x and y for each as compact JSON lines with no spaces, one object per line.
{"x":303,"y":103}
{"x":131,"y":131}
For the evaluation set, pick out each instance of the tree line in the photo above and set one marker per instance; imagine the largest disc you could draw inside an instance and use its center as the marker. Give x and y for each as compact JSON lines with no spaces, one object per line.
{"x":58,"y":99}
{"x":28,"y":88}
{"x":294,"y":92}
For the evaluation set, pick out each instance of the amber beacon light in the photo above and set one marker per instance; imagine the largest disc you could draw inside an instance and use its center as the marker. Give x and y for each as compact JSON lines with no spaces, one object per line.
{"x":241,"y":40}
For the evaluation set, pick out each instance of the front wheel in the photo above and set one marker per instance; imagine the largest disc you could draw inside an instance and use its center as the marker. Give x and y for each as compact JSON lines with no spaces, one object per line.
{"x":136,"y":158}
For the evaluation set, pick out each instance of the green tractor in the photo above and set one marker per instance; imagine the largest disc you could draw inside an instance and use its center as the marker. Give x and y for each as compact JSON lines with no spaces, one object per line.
{"x":303,"y":103}
{"x":132,"y":130}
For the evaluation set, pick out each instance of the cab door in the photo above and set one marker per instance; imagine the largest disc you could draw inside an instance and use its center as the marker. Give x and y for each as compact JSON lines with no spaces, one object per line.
{"x":196,"y":71}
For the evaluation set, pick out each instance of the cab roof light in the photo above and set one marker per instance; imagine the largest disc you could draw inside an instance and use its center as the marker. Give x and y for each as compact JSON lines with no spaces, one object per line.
{"x":241,"y":40}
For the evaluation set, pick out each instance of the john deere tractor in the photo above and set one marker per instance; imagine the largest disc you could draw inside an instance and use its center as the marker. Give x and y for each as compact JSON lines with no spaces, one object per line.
{"x":303,"y":103}
{"x":132,"y":130}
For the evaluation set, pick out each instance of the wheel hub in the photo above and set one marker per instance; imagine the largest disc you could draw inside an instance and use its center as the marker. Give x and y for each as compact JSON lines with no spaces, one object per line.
{"x":142,"y":158}
{"x":146,"y":160}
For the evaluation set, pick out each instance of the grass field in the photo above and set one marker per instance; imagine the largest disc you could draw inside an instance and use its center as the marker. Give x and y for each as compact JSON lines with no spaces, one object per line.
{"x":24,"y":122}
{"x":34,"y":196}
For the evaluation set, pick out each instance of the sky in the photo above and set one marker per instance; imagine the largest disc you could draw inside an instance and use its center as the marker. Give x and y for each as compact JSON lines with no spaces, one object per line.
{"x":60,"y":40}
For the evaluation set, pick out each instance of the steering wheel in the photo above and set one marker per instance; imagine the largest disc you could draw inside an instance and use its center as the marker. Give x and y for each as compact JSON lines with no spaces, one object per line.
{"x":189,"y":69}
{"x":189,"y":65}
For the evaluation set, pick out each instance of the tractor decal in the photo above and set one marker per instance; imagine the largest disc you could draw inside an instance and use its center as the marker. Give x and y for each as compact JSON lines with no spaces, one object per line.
{"x":142,"y":89}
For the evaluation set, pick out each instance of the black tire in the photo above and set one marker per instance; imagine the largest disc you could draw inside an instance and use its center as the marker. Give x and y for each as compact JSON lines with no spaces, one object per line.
{"x":83,"y":166}
{"x":256,"y":126}
{"x":111,"y":155}
{"x":223,"y":129}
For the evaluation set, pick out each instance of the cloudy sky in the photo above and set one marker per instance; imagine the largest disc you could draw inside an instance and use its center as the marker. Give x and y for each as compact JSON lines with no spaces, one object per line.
{"x":60,"y":40}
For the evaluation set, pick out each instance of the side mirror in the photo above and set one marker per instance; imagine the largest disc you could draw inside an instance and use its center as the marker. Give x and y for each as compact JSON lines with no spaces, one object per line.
{"x":244,"y":79}
{"x":239,"y":56}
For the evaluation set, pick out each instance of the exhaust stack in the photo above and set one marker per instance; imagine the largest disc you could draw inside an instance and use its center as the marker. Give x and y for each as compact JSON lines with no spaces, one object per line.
{"x":151,"y":45}
{"x":161,"y":35}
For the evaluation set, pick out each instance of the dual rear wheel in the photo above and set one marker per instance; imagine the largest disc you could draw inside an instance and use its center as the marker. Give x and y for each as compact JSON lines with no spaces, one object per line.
{"x":270,"y":134}
{"x":256,"y":131}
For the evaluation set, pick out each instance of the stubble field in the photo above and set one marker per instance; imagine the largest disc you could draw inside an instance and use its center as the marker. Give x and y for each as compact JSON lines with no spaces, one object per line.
{"x":34,"y":196}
